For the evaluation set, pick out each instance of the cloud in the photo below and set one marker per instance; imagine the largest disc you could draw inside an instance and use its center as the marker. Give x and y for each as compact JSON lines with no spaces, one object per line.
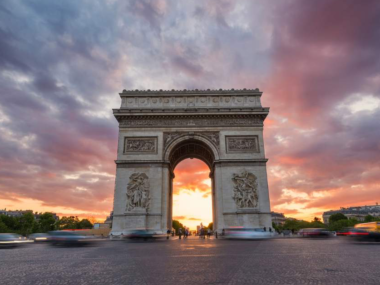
{"x":179,"y":217}
{"x":61,"y":69}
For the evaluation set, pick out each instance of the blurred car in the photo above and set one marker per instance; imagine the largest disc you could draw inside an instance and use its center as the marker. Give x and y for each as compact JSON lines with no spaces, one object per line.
{"x":12,"y":240}
{"x":67,"y":238}
{"x":366,"y":232}
{"x":315,"y":232}
{"x":144,"y":234}
{"x":39,"y":237}
{"x":247,"y":233}
{"x":343,"y":232}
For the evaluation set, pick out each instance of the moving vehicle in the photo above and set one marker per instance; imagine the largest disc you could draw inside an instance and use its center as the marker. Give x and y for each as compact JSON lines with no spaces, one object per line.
{"x":39,"y":237}
{"x":366,"y":232}
{"x":246,"y":233}
{"x":315,"y":233}
{"x":12,"y":240}
{"x":144,"y":234}
{"x":70,"y":238}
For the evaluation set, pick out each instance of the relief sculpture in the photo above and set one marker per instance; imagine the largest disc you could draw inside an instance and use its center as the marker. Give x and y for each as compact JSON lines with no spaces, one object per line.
{"x":242,"y":144}
{"x":211,"y":136}
{"x":140,"y":145}
{"x":138,"y":192}
{"x":245,"y":190}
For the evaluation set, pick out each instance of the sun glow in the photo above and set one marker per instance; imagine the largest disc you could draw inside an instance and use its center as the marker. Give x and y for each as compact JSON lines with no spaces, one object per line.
{"x":192,"y":200}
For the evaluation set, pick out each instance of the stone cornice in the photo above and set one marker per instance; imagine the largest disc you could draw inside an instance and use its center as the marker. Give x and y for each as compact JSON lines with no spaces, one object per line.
{"x":190,"y":99}
{"x":185,"y":92}
{"x":207,"y":110}
{"x":214,"y":120}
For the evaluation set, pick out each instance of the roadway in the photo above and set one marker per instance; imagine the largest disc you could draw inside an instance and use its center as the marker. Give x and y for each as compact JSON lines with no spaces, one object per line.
{"x":195,"y":261}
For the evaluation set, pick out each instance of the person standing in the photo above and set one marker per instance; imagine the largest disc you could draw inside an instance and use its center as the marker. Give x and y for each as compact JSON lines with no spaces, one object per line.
{"x":208,"y":233}
{"x":180,"y":233}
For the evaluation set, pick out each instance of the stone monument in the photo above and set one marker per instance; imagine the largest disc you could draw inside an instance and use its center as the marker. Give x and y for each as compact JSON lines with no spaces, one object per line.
{"x":158,"y":129}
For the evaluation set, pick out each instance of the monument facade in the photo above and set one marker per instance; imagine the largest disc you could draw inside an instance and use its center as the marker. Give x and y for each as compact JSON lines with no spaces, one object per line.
{"x":159,"y":129}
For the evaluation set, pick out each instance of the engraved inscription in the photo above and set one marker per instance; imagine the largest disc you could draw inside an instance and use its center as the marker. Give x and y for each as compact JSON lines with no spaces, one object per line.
{"x":242,"y":144}
{"x":245,"y":190}
{"x":140,"y":145}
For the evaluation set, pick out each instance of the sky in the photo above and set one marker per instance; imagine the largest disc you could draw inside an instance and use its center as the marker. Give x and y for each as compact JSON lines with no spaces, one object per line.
{"x":63,"y":63}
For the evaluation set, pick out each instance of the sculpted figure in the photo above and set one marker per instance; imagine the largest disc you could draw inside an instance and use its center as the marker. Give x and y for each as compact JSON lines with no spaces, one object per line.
{"x":245,"y":190}
{"x":138,"y":191}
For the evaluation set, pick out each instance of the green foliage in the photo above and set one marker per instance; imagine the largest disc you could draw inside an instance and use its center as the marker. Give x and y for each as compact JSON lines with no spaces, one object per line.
{"x":369,"y":218}
{"x":211,"y":226}
{"x":341,"y":224}
{"x":296,"y":225}
{"x":3,"y":227}
{"x":85,"y":224}
{"x":336,"y":217}
{"x":68,"y":223}
{"x":27,"y":224}
{"x":46,"y":223}
{"x":177,"y":225}
{"x":12,"y":223}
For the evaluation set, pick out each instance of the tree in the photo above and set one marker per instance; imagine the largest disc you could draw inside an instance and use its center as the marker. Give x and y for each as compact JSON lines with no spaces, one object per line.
{"x":66,"y":223}
{"x":211,"y":226}
{"x":26,"y":223}
{"x":46,"y":223}
{"x":177,"y":225}
{"x":85,"y":224}
{"x":3,"y":227}
{"x":342,"y":224}
{"x":336,"y":217}
{"x":369,"y":218}
{"x":11,"y":223}
{"x":316,"y":219}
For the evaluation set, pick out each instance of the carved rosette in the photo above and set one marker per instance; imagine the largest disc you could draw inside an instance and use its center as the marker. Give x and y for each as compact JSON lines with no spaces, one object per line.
{"x":138,"y":193}
{"x":213,"y":137}
{"x":133,"y":145}
{"x":245,"y":190}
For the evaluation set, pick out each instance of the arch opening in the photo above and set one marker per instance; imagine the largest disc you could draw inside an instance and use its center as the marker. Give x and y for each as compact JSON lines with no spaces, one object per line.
{"x":192,"y":196}
{"x":191,"y":148}
{"x":185,"y":156}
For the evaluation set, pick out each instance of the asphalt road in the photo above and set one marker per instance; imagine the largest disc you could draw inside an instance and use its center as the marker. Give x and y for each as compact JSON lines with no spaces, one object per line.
{"x":194,"y":261}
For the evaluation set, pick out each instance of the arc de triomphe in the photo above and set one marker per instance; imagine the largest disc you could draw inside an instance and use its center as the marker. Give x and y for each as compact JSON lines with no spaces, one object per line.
{"x":159,"y":129}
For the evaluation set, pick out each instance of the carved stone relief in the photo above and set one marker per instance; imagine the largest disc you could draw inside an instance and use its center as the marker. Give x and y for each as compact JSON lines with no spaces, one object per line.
{"x":211,"y":136}
{"x":245,"y":190}
{"x":138,"y":196}
{"x":194,"y":121}
{"x":140,"y":145}
{"x":242,"y":144}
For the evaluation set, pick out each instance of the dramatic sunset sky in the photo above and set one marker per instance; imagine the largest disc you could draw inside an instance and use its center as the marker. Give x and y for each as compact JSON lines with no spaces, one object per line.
{"x":62,"y":64}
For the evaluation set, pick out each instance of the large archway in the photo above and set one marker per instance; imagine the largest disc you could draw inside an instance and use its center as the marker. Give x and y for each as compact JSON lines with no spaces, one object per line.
{"x":158,"y":129}
{"x":191,"y":146}
{"x":192,"y":196}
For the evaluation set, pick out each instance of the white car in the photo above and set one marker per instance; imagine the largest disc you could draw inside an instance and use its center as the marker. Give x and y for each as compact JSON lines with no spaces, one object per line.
{"x":247,"y":233}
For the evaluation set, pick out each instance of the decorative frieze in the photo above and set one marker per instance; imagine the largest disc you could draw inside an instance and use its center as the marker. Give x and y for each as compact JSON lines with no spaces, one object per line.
{"x":156,"y":99}
{"x":138,"y":196}
{"x":213,"y":137}
{"x":140,"y":145}
{"x":190,"y":121}
{"x":236,"y":144}
{"x":245,"y":190}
